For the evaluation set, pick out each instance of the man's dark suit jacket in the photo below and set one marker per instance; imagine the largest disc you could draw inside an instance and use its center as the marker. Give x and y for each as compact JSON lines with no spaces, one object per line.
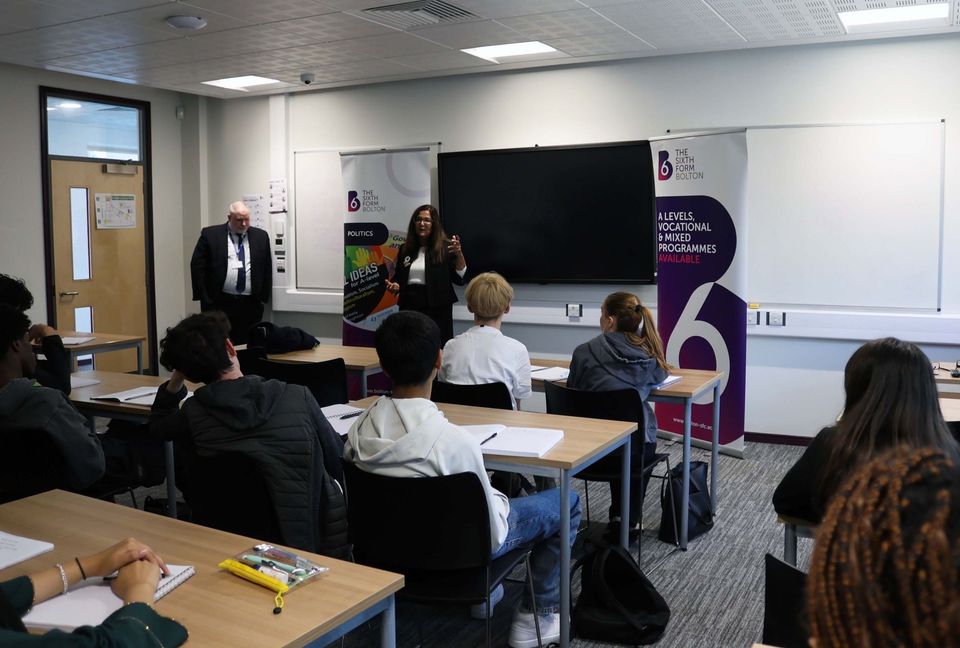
{"x":208,"y":266}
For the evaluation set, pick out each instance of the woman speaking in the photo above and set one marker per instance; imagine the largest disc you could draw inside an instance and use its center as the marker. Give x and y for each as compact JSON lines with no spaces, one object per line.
{"x":427,"y":266}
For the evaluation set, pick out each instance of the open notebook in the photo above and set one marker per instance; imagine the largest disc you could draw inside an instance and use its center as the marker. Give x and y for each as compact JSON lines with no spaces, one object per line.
{"x":15,"y":549}
{"x":92,"y":601}
{"x":341,"y":416}
{"x":496,"y":439}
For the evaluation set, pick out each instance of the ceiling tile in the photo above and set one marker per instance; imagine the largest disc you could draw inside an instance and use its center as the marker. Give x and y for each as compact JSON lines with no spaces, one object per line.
{"x":447,"y":60}
{"x":598,"y":45}
{"x":258,"y":11}
{"x":80,"y":9}
{"x":308,"y":57}
{"x":471,"y":34}
{"x":778,"y":20}
{"x":673,"y":25}
{"x":361,"y":70}
{"x":333,"y":27}
{"x":560,"y":24}
{"x":505,"y":8}
{"x":392,"y":45}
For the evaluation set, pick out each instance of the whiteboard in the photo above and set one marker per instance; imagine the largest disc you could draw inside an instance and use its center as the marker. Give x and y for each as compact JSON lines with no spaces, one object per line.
{"x":319,"y":206}
{"x":847,"y":216}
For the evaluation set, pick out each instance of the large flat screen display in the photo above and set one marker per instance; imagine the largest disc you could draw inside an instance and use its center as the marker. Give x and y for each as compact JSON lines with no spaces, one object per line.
{"x":579,"y":214}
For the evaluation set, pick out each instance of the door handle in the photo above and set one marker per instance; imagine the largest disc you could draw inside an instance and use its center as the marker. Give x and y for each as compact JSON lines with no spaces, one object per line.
{"x":72,"y":293}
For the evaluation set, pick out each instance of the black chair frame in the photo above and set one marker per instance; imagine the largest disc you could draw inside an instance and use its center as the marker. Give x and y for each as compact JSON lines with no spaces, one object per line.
{"x":495,"y":395}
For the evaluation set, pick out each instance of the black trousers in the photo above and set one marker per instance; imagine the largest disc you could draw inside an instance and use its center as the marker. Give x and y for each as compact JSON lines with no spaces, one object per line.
{"x":243,"y":311}
{"x":414,"y":297}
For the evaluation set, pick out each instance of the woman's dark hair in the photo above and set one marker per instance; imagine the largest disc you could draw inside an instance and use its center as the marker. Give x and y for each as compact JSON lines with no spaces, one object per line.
{"x":436,"y":244}
{"x":197,"y":347}
{"x":885,"y":564}
{"x":636,"y":321}
{"x":891,"y":400}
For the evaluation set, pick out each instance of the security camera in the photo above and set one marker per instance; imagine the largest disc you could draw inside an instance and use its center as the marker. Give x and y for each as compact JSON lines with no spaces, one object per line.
{"x":307,"y":78}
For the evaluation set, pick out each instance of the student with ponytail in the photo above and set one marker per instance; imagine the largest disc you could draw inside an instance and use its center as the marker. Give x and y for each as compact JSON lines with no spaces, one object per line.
{"x":628,"y":353}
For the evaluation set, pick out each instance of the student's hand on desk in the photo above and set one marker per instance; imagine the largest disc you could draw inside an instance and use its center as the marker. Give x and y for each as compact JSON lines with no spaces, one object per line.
{"x":393,"y":287}
{"x":136,"y":582}
{"x":39,"y":331}
{"x":123,"y":553}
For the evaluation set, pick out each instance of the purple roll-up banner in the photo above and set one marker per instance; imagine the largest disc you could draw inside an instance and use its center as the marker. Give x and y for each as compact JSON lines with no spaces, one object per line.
{"x":701,"y":185}
{"x":382,"y":190}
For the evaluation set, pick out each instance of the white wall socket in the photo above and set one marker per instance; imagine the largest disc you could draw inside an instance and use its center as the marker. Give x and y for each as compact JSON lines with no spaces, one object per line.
{"x":776,"y":318}
{"x":574,"y":310}
{"x":753,"y":318}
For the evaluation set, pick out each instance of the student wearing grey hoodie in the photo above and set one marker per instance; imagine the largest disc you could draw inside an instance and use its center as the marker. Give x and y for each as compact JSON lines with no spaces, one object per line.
{"x":628,"y":353}
{"x":407,"y":436}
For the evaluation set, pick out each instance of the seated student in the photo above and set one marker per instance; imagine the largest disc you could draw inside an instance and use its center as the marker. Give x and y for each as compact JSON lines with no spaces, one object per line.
{"x":135,"y":625}
{"x":482,"y":354}
{"x":886,"y":564}
{"x":628,"y":353}
{"x":26,"y":406}
{"x":891,"y":401}
{"x":407,"y":436}
{"x":279,"y":426}
{"x":54,"y":371}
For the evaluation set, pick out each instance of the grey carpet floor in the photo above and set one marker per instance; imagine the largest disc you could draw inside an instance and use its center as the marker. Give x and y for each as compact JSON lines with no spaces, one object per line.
{"x":714,"y":589}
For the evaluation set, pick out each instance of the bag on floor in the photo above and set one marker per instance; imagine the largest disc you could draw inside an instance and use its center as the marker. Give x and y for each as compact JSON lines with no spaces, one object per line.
{"x":699,"y":515}
{"x":617,"y":602}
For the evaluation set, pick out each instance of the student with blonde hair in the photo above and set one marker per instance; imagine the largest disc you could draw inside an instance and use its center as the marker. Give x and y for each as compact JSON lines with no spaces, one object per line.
{"x":483,"y":354}
{"x":628,"y":353}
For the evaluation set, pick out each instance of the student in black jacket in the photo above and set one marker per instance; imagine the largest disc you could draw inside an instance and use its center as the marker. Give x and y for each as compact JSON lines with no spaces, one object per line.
{"x":54,"y":371}
{"x":891,"y":400}
{"x":427,"y":266}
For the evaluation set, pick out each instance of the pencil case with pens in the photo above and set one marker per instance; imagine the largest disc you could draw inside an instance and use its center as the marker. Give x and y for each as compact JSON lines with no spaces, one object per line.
{"x":276,"y":569}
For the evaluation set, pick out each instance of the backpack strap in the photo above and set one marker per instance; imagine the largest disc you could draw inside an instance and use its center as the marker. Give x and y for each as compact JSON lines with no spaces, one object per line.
{"x":603,"y":588}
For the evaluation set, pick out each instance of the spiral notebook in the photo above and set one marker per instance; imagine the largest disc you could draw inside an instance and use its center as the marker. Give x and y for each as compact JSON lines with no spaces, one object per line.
{"x":92,"y":601}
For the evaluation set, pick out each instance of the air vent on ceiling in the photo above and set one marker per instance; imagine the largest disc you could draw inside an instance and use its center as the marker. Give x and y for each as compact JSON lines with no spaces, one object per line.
{"x":422,"y":13}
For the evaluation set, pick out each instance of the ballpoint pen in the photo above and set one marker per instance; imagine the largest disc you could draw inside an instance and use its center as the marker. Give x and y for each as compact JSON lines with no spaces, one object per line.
{"x":351,"y":415}
{"x":488,"y":438}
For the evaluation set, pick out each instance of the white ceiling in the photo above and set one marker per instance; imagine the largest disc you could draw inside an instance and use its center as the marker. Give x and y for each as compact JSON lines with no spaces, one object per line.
{"x":341,"y":44}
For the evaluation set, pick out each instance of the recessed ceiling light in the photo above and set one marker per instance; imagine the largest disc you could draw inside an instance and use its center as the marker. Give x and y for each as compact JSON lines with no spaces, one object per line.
{"x":190,"y":23}
{"x":241,"y":82}
{"x":496,"y":52}
{"x":69,"y":105}
{"x":906,"y":17}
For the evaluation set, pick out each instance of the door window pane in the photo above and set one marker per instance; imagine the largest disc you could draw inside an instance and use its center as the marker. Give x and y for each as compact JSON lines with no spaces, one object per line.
{"x":83,"y":323}
{"x":93,"y":130}
{"x":80,"y":233}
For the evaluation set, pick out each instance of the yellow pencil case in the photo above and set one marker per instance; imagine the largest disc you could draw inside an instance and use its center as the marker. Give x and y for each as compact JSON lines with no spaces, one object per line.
{"x":249,"y":573}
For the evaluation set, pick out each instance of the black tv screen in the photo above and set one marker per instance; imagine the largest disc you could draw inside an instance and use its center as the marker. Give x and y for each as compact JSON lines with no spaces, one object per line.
{"x":579,"y":214}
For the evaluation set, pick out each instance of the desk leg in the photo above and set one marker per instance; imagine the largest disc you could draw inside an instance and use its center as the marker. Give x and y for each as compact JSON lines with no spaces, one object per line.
{"x":625,"y":495}
{"x":715,"y":452}
{"x":564,"y":559}
{"x":140,"y":358}
{"x":388,"y":624}
{"x":685,"y":493}
{"x":171,"y":479}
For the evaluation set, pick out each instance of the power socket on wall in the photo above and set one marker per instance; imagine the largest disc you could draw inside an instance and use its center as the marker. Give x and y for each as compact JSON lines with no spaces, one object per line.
{"x":574,"y":310}
{"x":776,"y":318}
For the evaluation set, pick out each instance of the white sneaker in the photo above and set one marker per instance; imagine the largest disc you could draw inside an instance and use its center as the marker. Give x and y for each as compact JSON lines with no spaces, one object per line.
{"x":479,"y":610}
{"x":523,"y":632}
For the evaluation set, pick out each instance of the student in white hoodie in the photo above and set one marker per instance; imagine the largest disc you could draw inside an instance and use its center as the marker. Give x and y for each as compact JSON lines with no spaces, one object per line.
{"x":407,"y":436}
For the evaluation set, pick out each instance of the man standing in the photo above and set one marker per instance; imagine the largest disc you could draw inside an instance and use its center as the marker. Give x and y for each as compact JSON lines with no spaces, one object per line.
{"x":231,"y":271}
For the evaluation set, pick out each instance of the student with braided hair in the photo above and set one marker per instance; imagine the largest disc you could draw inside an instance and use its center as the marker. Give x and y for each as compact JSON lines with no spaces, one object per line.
{"x":628,"y":353}
{"x":891,"y":401}
{"x":886,"y":564}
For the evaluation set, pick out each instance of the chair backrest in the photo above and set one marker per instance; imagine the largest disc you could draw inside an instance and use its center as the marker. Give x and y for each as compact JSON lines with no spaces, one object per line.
{"x":495,"y":395}
{"x":417,"y":523}
{"x":616,"y":405}
{"x":29,"y":464}
{"x":327,"y":380}
{"x":783,"y":605}
{"x":228,"y":492}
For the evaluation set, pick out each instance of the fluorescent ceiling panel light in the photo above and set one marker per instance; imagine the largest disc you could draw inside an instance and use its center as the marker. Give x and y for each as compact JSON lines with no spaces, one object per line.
{"x":907,"y":17}
{"x":241,"y":83}
{"x":69,"y":105}
{"x":494,"y":53}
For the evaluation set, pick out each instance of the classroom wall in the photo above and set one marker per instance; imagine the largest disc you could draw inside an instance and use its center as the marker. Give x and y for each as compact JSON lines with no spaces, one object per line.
{"x":21,"y":218}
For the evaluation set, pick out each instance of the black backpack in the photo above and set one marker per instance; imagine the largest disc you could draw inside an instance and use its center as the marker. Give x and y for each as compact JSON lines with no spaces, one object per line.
{"x":617,"y":602}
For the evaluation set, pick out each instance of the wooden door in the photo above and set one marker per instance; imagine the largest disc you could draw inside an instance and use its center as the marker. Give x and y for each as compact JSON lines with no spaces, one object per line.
{"x":114,"y":282}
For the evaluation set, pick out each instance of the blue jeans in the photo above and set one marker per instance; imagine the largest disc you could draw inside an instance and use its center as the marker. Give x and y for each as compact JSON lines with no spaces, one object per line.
{"x":537,"y":519}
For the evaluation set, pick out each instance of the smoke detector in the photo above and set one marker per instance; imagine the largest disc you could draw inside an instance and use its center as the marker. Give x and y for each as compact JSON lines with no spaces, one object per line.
{"x":188,"y":23}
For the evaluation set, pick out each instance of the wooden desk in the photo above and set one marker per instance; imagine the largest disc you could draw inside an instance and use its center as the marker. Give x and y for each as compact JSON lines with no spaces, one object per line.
{"x":950,"y":407}
{"x":943,"y":376}
{"x":102,"y":342}
{"x":110,"y":382}
{"x":217,"y":608}
{"x":692,"y":384}
{"x":585,"y":441}
{"x":359,"y":360}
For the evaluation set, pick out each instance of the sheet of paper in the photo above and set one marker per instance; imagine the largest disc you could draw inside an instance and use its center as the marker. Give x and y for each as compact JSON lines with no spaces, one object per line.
{"x":137,"y":395}
{"x":16,"y":549}
{"x":668,"y":381}
{"x":335,"y":415}
{"x":76,"y":382}
{"x":536,"y":367}
{"x":73,"y":341}
{"x":551,"y":374}
{"x":515,"y":441}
